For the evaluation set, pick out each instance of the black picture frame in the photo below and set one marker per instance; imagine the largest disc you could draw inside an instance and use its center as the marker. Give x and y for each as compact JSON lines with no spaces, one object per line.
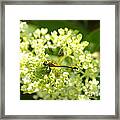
{"x":2,"y":56}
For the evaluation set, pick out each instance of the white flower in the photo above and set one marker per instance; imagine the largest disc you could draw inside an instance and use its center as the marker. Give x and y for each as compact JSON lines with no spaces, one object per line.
{"x":65,"y":74}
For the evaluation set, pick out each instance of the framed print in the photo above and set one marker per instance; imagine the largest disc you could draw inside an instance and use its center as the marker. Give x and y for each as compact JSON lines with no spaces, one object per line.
{"x":60,"y":59}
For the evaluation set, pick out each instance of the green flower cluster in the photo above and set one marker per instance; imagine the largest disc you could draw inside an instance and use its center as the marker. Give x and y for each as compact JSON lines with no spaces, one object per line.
{"x":77,"y":79}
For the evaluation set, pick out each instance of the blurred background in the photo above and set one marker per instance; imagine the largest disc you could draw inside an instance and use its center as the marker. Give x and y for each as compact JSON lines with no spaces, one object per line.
{"x":90,"y":30}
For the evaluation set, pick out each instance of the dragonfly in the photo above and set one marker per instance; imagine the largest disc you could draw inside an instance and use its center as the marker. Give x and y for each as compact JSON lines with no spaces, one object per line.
{"x":50,"y":64}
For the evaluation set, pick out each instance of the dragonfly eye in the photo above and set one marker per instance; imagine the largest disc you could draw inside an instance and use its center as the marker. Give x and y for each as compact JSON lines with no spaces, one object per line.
{"x":50,"y":64}
{"x":45,"y":63}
